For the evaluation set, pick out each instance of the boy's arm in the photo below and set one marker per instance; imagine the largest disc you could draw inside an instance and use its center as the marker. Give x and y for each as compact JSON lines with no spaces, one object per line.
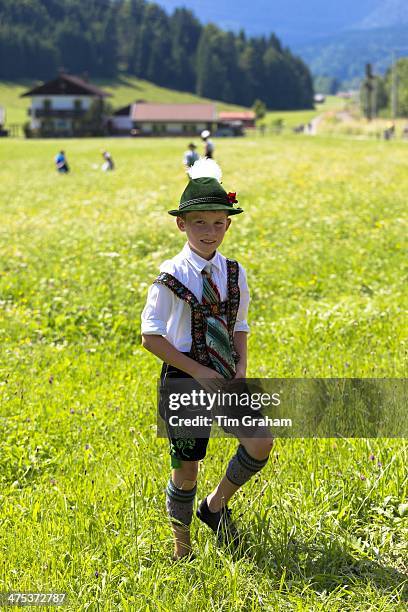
{"x":240,"y":342}
{"x":162,"y":348}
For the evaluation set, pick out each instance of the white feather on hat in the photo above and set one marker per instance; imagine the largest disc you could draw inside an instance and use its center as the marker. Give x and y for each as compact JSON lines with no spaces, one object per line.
{"x":207,"y":168}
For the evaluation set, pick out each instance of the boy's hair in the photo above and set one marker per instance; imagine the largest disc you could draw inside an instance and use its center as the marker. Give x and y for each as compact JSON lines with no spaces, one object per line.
{"x":183,"y":215}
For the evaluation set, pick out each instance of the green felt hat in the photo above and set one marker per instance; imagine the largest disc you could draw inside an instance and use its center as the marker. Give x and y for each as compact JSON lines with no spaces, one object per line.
{"x":206,"y":193}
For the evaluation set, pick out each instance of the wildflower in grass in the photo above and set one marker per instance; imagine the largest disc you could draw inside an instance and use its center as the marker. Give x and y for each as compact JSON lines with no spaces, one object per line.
{"x":379,"y":464}
{"x":96,"y":574}
{"x":362,"y":477}
{"x":372,"y":457}
{"x":72,"y":411}
{"x":87,"y":447}
{"x":51,"y":379}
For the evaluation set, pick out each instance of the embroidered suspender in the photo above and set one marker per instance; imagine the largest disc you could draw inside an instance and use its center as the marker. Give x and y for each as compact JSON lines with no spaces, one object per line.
{"x":199,"y":312}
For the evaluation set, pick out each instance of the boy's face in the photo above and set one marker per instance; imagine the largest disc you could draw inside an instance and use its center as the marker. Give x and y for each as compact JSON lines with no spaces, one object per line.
{"x":205,"y":230}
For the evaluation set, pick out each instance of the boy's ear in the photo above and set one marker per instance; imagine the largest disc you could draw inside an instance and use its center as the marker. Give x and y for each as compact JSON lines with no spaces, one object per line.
{"x":181,"y":224}
{"x":228,"y":223}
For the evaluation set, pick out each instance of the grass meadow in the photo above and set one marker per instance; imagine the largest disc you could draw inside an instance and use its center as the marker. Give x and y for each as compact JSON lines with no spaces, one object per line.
{"x":82,"y":475}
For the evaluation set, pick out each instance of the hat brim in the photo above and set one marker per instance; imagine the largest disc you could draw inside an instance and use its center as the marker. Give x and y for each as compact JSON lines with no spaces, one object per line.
{"x":203,"y":207}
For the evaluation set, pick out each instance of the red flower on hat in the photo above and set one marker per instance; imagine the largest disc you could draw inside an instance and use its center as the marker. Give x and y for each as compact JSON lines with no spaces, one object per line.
{"x":232,"y":197}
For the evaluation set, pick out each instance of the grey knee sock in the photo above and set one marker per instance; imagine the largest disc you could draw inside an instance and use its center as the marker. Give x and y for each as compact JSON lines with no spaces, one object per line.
{"x":179,"y":503}
{"x":242,"y":467}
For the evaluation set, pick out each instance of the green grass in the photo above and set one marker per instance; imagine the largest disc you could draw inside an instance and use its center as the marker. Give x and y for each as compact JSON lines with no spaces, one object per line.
{"x":291,"y":119}
{"x":16,"y":107}
{"x":82,"y":474}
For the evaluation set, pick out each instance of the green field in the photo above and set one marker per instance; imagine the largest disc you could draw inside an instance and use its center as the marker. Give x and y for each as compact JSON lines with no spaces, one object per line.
{"x":323,"y":240}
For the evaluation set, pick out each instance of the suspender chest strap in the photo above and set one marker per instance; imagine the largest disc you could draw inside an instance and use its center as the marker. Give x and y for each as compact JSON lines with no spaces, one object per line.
{"x":199,"y":312}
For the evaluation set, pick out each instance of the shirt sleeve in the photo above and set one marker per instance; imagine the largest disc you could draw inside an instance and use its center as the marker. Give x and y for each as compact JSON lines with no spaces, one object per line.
{"x":241,"y":323}
{"x":157,"y":310}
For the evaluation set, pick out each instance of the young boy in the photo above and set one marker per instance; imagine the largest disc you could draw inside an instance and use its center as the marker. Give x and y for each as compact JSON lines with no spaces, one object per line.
{"x":190,"y":156}
{"x":208,"y":144}
{"x":195,"y":321}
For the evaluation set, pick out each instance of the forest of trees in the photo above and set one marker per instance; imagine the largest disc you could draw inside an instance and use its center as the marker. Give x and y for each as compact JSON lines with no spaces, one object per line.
{"x":387,"y":95}
{"x":107,"y":37}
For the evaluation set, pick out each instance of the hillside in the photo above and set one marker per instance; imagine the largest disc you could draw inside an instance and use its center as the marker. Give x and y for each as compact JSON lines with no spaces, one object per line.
{"x":335,"y":39}
{"x":344,"y":55}
{"x":109,"y":38}
{"x":125,"y":89}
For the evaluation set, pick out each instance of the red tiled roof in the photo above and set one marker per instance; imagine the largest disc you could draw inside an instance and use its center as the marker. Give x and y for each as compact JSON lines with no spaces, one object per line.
{"x":237,"y":115}
{"x":173,"y":112}
{"x":66,"y":85}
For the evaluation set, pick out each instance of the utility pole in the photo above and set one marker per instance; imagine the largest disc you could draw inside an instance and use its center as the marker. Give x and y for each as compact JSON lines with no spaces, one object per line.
{"x":394,"y":87}
{"x":369,"y":84}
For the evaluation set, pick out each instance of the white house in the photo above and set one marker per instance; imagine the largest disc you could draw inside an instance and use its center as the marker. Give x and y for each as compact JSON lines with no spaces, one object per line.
{"x":56,"y":104}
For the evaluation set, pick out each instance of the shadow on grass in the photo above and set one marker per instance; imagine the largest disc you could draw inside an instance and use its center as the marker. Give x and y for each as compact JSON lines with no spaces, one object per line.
{"x":325,"y":564}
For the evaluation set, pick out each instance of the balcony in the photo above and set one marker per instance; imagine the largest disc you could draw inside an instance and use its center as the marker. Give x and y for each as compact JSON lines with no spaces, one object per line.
{"x":53,"y":113}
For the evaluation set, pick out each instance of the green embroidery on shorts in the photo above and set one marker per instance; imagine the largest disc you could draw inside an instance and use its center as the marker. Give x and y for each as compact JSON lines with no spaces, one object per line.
{"x":181,"y":446}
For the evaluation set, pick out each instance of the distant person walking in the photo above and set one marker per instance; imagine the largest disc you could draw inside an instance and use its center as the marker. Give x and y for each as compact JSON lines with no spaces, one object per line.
{"x":208,"y":144}
{"x":108,"y":163}
{"x":190,"y":156}
{"x":61,"y":163}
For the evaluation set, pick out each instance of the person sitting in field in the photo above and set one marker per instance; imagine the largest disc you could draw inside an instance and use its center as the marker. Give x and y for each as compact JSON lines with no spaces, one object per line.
{"x":389,"y":133}
{"x":191,"y":287}
{"x":208,"y":144}
{"x":190,"y":156}
{"x":61,"y":163}
{"x":108,"y":163}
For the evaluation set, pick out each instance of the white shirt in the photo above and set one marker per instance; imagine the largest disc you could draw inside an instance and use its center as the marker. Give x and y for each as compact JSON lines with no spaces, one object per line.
{"x":167,"y":315}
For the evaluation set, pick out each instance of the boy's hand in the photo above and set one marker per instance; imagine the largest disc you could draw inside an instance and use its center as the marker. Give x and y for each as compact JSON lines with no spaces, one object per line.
{"x":202,"y":372}
{"x":207,"y":377}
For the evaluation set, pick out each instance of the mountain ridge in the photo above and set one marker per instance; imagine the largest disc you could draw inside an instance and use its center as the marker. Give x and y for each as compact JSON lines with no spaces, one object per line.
{"x":387,"y":13}
{"x":334,"y":39}
{"x":292,"y":20}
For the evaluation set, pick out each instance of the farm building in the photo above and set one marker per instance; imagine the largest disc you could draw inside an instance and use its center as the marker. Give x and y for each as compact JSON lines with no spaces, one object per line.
{"x":58,"y":106}
{"x":3,"y":132}
{"x":153,"y":119}
{"x":245,"y":118}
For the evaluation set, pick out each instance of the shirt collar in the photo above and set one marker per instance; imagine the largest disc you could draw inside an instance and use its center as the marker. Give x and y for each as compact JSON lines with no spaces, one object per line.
{"x":198,"y":262}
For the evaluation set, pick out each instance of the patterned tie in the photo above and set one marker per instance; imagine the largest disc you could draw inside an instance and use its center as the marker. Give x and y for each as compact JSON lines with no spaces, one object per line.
{"x":216,"y":335}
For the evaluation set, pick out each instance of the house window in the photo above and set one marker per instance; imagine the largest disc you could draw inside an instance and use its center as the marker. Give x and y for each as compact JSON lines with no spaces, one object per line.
{"x":47,"y":104}
{"x":61,"y":124}
{"x":159,"y":128}
{"x":77,"y":105}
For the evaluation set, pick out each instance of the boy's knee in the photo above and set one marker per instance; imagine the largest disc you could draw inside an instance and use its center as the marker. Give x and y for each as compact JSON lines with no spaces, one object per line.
{"x":258,"y":448}
{"x":185,"y":477}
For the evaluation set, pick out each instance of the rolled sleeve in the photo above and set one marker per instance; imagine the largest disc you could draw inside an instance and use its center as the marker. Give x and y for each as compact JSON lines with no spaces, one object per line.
{"x":157,"y":311}
{"x":241,"y":323}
